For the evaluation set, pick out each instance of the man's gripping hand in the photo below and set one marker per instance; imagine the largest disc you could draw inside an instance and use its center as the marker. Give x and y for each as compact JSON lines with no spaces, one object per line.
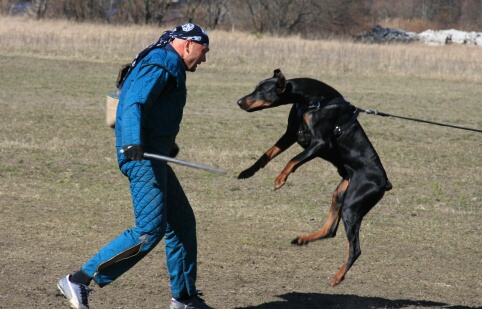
{"x":133,"y":152}
{"x":174,"y":150}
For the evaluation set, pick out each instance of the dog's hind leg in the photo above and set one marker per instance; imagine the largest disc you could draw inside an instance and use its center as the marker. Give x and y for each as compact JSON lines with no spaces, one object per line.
{"x":331,"y":225}
{"x":352,"y":231}
{"x":356,"y":206}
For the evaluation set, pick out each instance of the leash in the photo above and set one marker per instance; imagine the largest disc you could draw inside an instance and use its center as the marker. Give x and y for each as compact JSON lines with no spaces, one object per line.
{"x":377,"y":113}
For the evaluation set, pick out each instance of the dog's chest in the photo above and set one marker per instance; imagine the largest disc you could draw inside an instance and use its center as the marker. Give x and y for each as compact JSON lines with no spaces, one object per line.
{"x":304,"y":117}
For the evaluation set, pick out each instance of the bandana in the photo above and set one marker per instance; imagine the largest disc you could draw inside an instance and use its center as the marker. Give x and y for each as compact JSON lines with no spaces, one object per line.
{"x":190,"y":32}
{"x":185,"y":32}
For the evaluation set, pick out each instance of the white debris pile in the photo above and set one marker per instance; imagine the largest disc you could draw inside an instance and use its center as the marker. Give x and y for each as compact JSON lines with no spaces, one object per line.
{"x":442,"y":37}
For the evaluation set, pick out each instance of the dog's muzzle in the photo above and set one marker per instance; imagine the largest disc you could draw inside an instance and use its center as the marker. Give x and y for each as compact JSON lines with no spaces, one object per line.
{"x":242,"y":104}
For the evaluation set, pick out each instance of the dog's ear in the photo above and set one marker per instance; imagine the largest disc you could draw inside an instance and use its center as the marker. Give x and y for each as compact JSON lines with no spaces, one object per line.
{"x":281,"y":85}
{"x":288,"y":88}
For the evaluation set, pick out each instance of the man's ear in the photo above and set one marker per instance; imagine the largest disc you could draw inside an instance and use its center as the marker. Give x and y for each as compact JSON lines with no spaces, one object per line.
{"x":188,"y":46}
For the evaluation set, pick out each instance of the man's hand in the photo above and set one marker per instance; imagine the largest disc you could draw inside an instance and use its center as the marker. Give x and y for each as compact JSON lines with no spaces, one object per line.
{"x":133,"y":152}
{"x":174,"y":150}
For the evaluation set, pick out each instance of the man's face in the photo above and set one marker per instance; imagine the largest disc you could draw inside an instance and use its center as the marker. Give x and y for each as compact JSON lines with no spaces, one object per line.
{"x":194,"y":55}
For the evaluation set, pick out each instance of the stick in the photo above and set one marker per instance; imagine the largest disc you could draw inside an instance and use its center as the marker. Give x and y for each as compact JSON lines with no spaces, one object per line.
{"x":185,"y":163}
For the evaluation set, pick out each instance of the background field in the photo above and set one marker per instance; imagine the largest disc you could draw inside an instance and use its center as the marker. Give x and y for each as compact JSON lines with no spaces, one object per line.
{"x":62,"y":196}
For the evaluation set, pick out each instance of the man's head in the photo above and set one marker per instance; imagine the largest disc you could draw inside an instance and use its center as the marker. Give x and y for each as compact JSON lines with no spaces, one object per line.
{"x":192,"y":43}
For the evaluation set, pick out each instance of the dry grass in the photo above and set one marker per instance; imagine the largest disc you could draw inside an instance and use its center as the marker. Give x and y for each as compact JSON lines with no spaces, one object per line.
{"x":62,"y":196}
{"x":234,"y":51}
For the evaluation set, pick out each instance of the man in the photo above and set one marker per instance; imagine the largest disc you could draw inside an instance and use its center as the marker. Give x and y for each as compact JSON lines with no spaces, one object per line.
{"x":148,"y":117}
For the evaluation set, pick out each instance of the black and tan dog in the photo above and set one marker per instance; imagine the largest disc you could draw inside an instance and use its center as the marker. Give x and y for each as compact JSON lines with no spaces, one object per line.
{"x":326,"y":126}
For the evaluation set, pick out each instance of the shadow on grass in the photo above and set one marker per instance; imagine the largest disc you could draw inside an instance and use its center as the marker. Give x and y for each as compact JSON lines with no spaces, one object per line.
{"x":326,"y":301}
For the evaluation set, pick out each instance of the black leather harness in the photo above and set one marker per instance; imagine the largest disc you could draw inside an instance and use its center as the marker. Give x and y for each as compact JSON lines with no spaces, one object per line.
{"x":304,"y":133}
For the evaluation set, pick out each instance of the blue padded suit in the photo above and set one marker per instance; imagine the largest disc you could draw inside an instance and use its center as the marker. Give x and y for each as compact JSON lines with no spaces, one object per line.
{"x":149,"y":115}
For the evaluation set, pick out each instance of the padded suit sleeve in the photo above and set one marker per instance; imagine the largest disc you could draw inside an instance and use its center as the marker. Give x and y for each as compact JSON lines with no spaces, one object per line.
{"x":145,"y":90}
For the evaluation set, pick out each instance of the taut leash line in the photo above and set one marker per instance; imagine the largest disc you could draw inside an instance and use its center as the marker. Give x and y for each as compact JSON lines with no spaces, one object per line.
{"x":377,"y":113}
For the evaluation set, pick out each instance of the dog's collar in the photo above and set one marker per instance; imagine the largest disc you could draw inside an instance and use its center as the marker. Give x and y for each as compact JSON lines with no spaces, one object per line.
{"x":319,"y":104}
{"x":327,"y":102}
{"x":316,"y":105}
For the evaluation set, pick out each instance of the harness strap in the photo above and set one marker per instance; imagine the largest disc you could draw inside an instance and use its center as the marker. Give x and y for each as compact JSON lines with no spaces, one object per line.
{"x":340,"y":128}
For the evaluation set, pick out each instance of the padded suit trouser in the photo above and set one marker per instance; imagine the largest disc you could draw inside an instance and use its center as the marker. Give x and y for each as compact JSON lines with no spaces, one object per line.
{"x":161,"y":209}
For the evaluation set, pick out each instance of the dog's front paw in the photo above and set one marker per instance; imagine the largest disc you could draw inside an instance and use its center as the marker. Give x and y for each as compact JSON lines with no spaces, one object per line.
{"x":280,"y":181}
{"x":299,"y":241}
{"x":247,"y":173}
{"x":336,"y":280}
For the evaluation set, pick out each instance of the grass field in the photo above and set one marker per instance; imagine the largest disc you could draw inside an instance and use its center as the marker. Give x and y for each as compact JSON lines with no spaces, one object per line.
{"x":62,"y":196}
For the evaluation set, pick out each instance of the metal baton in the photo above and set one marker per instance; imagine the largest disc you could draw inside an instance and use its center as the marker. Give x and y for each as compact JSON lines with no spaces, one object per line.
{"x":182,"y":162}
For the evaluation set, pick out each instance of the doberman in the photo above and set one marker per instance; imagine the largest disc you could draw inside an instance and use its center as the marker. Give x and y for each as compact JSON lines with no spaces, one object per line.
{"x":326,"y":126}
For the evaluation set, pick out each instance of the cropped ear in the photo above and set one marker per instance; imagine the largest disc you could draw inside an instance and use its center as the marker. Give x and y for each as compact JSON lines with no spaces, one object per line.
{"x":281,"y":82}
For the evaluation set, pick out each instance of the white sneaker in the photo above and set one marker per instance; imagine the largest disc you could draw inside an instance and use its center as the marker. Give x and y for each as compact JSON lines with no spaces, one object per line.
{"x":75,"y":293}
{"x":194,"y":302}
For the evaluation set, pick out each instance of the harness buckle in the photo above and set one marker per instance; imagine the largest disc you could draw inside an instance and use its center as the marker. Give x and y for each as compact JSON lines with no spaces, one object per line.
{"x":315,"y":105}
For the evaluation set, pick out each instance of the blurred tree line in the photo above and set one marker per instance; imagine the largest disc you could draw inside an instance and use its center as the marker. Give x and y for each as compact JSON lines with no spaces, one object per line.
{"x":307,"y":18}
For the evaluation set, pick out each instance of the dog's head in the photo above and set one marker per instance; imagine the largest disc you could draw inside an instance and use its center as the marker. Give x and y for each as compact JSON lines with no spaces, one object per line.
{"x":268,"y":93}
